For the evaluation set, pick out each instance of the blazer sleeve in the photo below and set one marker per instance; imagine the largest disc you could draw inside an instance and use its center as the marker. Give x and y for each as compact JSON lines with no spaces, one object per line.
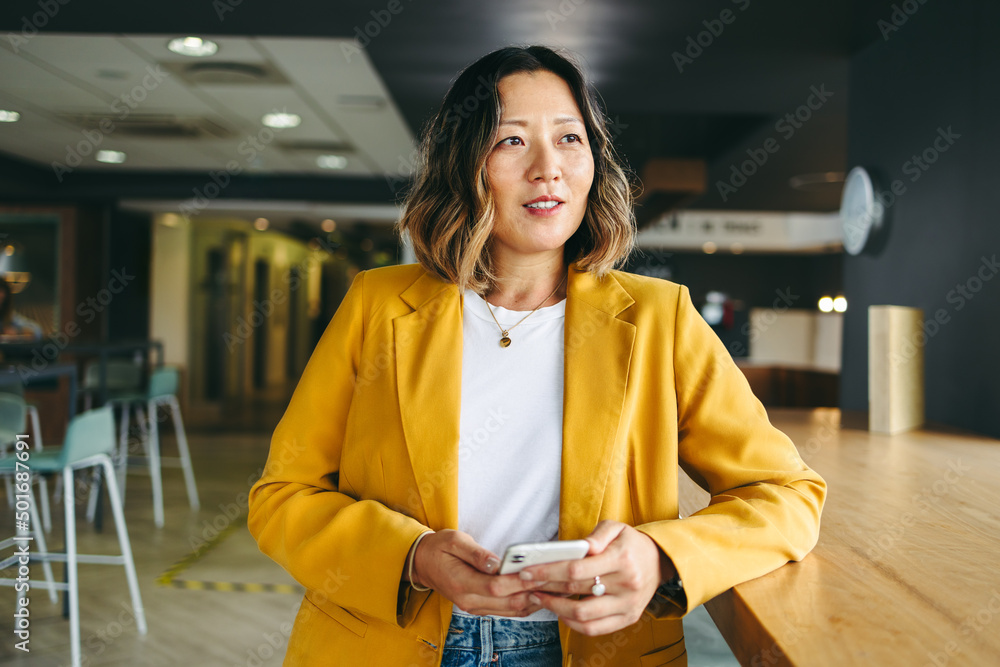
{"x":766,"y":502}
{"x":348,"y":551}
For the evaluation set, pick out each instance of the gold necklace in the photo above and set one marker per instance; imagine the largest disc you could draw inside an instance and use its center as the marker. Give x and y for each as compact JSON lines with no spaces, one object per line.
{"x":504,"y":338}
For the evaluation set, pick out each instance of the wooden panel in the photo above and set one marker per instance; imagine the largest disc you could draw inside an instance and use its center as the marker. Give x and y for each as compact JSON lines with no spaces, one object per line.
{"x":781,"y":387}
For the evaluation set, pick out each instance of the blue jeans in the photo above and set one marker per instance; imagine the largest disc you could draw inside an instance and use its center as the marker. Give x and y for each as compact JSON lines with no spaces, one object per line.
{"x":488,"y":641}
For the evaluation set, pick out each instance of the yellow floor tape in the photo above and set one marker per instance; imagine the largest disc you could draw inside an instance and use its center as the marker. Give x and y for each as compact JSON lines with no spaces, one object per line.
{"x":169,"y":576}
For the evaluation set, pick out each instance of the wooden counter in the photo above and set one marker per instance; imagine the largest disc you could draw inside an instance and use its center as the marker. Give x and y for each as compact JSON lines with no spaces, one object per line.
{"x":907,"y":568}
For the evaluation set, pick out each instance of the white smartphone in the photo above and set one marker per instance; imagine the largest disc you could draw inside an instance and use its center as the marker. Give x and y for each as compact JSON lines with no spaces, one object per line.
{"x":519,"y":556}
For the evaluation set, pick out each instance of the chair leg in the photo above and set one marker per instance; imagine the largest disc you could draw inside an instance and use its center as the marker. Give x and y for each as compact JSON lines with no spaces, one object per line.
{"x":126,"y":548}
{"x":94,"y":496}
{"x":182,"y":446}
{"x":154,"y":465}
{"x":43,"y":487}
{"x":71,"y":574}
{"x":140,"y":420}
{"x":41,"y":547}
{"x":123,"y":447}
{"x":123,"y":427}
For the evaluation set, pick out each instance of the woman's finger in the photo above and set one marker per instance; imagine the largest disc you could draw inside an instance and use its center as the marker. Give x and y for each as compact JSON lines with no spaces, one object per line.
{"x":586,"y":609}
{"x":464,"y":547}
{"x":604,"y":533}
{"x":590,"y":616}
{"x":570,"y":570}
{"x":578,"y":587}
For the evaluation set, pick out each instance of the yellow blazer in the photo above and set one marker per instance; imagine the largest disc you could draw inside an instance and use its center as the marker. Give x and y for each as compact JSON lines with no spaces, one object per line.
{"x":366,"y":458}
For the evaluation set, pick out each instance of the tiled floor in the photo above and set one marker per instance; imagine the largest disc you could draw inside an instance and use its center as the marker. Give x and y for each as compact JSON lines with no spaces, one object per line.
{"x":189,"y":625}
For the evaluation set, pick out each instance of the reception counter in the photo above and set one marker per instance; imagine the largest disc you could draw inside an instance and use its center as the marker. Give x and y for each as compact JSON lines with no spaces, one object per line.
{"x":907,"y":568}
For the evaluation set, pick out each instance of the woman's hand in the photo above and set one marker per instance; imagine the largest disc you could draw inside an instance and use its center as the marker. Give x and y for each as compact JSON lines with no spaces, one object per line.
{"x":631,"y":567}
{"x":453,"y":564}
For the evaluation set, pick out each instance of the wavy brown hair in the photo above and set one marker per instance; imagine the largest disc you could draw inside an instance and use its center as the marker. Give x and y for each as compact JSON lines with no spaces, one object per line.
{"x":449,"y":211}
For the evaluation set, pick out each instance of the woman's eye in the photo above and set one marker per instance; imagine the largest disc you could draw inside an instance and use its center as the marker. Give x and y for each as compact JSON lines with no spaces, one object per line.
{"x":572,"y":138}
{"x":509,"y":141}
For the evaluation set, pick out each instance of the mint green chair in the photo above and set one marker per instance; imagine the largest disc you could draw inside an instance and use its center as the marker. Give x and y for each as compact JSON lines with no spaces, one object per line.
{"x":90,"y":439}
{"x":14,"y":412}
{"x":161,"y":392}
{"x":121,"y":376}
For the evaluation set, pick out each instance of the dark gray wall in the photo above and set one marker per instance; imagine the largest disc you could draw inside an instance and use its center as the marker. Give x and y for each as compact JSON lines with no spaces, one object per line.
{"x":939,"y":70}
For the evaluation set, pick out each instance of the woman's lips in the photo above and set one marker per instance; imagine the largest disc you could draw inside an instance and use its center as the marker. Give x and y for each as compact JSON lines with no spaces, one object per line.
{"x":544,"y":212}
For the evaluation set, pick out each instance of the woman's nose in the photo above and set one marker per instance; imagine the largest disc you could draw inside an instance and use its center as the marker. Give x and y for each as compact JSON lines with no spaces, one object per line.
{"x":544,"y":164}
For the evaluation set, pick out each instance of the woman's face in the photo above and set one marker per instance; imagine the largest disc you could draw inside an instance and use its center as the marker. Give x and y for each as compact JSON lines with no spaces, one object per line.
{"x":541,"y":167}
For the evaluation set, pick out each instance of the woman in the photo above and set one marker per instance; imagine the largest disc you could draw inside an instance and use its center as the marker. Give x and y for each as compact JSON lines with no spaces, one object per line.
{"x":514,"y":387}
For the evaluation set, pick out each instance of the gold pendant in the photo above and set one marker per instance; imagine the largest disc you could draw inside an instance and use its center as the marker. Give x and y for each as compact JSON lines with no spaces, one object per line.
{"x":505,"y":342}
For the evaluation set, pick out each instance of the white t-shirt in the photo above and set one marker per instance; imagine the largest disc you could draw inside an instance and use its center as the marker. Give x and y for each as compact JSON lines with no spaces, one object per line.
{"x":510,"y":446}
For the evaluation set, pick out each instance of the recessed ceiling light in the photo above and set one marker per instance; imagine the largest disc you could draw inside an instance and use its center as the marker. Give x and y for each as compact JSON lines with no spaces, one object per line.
{"x":331,"y":161}
{"x":825,"y":304}
{"x":110,"y":157}
{"x":840,"y":304}
{"x":709,"y":247}
{"x":195,"y":47}
{"x":281,"y":121}
{"x":328,"y":225}
{"x":9,"y":116}
{"x":260,"y":224}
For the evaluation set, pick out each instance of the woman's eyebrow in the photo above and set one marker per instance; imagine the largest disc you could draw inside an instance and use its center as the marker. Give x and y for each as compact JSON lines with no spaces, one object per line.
{"x":562,"y":120}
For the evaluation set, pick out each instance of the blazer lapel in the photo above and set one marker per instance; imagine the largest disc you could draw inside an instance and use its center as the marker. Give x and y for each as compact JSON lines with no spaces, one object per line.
{"x":428,"y":345}
{"x":598,"y":351}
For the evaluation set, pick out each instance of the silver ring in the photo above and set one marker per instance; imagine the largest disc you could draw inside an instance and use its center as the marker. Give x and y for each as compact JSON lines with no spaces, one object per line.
{"x":598,"y":589}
